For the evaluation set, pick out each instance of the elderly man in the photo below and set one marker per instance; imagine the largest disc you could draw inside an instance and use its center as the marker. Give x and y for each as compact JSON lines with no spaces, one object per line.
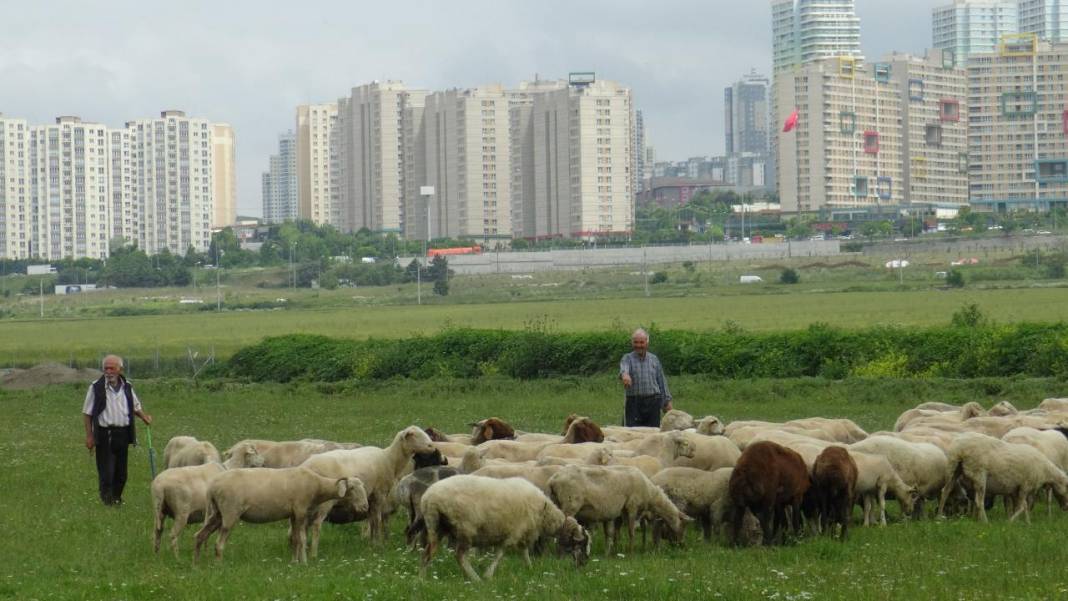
{"x":643,"y":380}
{"x":108,"y":414}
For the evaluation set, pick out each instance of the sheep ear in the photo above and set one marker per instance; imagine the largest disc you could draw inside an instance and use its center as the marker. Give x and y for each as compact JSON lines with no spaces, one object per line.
{"x":342,"y":487}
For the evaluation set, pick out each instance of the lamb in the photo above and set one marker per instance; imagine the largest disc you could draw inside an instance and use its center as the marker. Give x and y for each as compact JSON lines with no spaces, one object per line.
{"x":605,"y":494}
{"x":875,"y":476}
{"x":493,"y":428}
{"x":921,"y":465}
{"x":262,"y":446}
{"x":670,"y":455}
{"x":378,"y":469}
{"x":473,"y":461}
{"x":939,"y":413}
{"x":834,"y":483}
{"x":182,"y":451}
{"x":699,"y":494}
{"x":480,"y":512}
{"x":676,"y":420}
{"x":989,"y":465}
{"x":710,"y":425}
{"x":767,"y":479}
{"x":839,"y":430}
{"x":261,"y":495}
{"x":657,"y":445}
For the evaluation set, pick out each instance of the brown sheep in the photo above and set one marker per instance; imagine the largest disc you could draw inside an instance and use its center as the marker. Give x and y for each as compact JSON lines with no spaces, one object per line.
{"x":435,"y":435}
{"x":767,"y":479}
{"x":493,"y":428}
{"x":582,"y":429}
{"x":834,"y":483}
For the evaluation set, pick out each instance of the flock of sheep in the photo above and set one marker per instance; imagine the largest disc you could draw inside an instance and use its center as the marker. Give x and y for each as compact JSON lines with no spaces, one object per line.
{"x":500,"y":488}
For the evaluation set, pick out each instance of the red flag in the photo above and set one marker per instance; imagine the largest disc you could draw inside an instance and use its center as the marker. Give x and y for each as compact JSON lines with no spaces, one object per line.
{"x":791,"y":122}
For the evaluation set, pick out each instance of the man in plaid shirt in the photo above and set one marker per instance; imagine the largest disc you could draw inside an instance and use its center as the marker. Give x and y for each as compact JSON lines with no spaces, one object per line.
{"x":646,"y":387}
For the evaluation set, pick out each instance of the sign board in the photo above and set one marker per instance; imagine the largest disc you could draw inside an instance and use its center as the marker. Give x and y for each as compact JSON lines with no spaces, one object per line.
{"x":581,"y":78}
{"x":426,"y":190}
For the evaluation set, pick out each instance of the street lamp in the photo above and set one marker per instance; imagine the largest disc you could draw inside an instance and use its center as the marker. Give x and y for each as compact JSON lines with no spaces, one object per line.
{"x":426,"y":192}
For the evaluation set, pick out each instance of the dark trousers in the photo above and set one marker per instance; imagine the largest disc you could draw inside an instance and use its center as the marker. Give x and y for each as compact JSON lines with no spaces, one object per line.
{"x":642,"y":411}
{"x":112,"y":447}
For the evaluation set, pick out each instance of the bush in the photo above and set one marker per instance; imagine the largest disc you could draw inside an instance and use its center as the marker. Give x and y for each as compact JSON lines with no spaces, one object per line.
{"x":789,"y":276}
{"x":955,"y":278}
{"x":852,"y":247}
{"x":659,"y":277}
{"x":971,"y":346}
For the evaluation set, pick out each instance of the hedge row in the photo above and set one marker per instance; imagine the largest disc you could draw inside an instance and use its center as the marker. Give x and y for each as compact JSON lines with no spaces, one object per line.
{"x":1039,"y":350}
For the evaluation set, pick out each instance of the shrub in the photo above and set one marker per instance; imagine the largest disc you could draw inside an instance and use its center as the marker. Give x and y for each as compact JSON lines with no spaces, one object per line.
{"x":659,"y":277}
{"x":955,"y":278}
{"x":789,"y":276}
{"x":969,"y":316}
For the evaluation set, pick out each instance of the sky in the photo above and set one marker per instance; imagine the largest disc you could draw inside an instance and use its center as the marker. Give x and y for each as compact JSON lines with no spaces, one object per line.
{"x":250,"y":63}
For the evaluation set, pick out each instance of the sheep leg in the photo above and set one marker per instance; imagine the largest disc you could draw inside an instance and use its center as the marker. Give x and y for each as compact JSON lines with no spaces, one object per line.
{"x":315,"y":526}
{"x":631,"y":525}
{"x":224,"y":535}
{"x":180,"y":520}
{"x":767,"y":523}
{"x":428,"y":552}
{"x":951,"y":483}
{"x":526,"y":557}
{"x":1020,"y":502}
{"x":609,"y":535}
{"x":493,"y":565}
{"x":980,"y":497}
{"x":157,"y":534}
{"x":211,"y":524}
{"x":882,"y":506}
{"x":1049,"y":502}
{"x":465,"y":565}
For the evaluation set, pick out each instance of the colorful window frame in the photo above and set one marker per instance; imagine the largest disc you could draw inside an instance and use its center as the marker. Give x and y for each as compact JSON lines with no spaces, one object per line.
{"x":847,"y":67}
{"x":1051,"y":171}
{"x":881,"y":72}
{"x":871,"y":142}
{"x":916,"y":90}
{"x":1024,"y":104}
{"x":860,"y":186}
{"x":1018,"y":44}
{"x":884,"y":187}
{"x":932,"y":134}
{"x":962,"y":162}
{"x":949,"y":110}
{"x":847,"y":122}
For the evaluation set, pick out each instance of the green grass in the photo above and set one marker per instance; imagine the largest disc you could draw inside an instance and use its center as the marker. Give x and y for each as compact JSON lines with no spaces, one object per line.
{"x":84,"y":340}
{"x":61,"y":544}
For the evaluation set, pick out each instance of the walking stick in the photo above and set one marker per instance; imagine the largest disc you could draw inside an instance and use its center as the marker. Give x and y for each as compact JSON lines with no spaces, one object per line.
{"x":151,"y":453}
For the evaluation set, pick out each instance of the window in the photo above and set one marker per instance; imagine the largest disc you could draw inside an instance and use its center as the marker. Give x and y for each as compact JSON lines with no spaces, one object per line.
{"x":1019,"y":104}
{"x":1051,"y":171}
{"x":949,"y":109}
{"x":916,"y":90}
{"x":860,"y":186}
{"x":884,"y":187}
{"x":871,"y":142}
{"x":1064,"y":121}
{"x":962,"y":162}
{"x":847,"y":122}
{"x":847,"y":67}
{"x":933,"y":135}
{"x":1019,"y":44}
{"x":949,"y":58}
{"x":881,"y":71}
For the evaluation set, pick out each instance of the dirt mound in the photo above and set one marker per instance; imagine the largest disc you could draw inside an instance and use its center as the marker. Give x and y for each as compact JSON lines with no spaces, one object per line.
{"x":45,"y":374}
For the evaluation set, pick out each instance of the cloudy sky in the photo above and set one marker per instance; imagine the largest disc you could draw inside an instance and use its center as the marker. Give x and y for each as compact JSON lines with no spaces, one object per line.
{"x":249,"y":63}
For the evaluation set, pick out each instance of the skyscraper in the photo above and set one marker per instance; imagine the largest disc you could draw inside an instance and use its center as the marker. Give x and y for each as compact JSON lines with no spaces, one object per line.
{"x":1048,"y":19}
{"x":968,"y":27}
{"x":521,"y":141}
{"x":808,"y":30}
{"x":746,"y":113}
{"x":225,"y":176}
{"x":317,"y":164}
{"x":15,"y":208}
{"x":280,"y":189}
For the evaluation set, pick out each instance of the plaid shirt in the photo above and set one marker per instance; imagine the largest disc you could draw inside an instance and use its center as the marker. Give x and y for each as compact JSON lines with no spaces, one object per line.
{"x":646,"y":375}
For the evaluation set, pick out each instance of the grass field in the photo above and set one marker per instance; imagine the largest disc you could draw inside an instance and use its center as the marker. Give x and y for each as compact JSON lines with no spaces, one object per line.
{"x":84,"y":340}
{"x":61,"y":544}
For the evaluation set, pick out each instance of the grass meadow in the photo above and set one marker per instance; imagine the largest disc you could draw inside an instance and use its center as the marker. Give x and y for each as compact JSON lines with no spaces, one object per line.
{"x":142,"y":338}
{"x":62,"y":544}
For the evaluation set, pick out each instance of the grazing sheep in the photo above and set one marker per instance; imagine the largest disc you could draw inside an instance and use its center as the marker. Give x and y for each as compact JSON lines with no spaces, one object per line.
{"x":921,"y":465}
{"x":477,"y":512}
{"x":261,"y":495}
{"x":262,"y":446}
{"x":539,"y":437}
{"x":1051,"y":443}
{"x":409,"y":491}
{"x":875,"y":476}
{"x":699,"y":494}
{"x":602,"y":456}
{"x":938,"y":413}
{"x":767,"y":479}
{"x":378,"y":469}
{"x":581,"y":451}
{"x":622,"y":434}
{"x":1054,"y":405}
{"x":292,"y":453}
{"x":538,"y":475}
{"x":473,"y":461}
{"x":709,"y":452}
{"x":493,"y":428}
{"x":582,"y":429}
{"x":710,"y":425}
{"x":182,"y":451}
{"x":834,"y":482}
{"x":986,"y":465}
{"x":839,"y":430}
{"x":605,"y":494}
{"x":679,"y":448}
{"x":511,"y":450}
{"x":676,"y":420}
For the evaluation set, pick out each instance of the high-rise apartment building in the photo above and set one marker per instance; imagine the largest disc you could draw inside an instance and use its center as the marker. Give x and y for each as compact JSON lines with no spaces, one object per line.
{"x":371,"y":157}
{"x":225,"y":176}
{"x":746,"y":112}
{"x":171,"y":161}
{"x":15,"y":207}
{"x":1048,"y":19}
{"x":582,"y":159}
{"x":934,"y":122}
{"x":467,"y":162}
{"x":521,"y":142}
{"x":416,"y":205}
{"x":280,"y":189}
{"x":317,"y":164}
{"x":967,"y":27}
{"x":1018,"y":125}
{"x":846,"y":150}
{"x":638,"y":147}
{"x":808,"y":30}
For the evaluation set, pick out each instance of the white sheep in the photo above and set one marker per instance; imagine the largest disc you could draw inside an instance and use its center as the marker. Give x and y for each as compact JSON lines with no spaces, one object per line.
{"x":378,"y":469}
{"x":677,"y":449}
{"x":511,"y":450}
{"x":262,"y":495}
{"x":181,"y":493}
{"x":709,"y":452}
{"x":1051,"y":443}
{"x":700,"y":494}
{"x":710,"y":425}
{"x":601,"y":456}
{"x":1054,"y":405}
{"x":621,"y":434}
{"x":182,"y":451}
{"x":921,"y":465}
{"x":604,"y":494}
{"x":676,"y":420}
{"x":478,"y":512}
{"x":538,"y":475}
{"x":875,"y":476}
{"x":581,"y":451}
{"x":986,"y":465}
{"x":1003,"y":408}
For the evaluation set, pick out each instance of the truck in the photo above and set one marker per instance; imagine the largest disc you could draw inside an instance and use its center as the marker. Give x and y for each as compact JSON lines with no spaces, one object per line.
{"x":39,"y":269}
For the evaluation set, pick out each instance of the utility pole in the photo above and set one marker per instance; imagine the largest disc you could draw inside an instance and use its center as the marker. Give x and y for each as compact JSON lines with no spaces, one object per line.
{"x":645,"y":271}
{"x":41,"y":283}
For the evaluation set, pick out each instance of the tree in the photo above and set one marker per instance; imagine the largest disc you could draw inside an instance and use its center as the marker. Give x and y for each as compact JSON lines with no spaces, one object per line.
{"x":955,"y":278}
{"x":439,"y":268}
{"x":441,"y":287}
{"x":789,"y":276}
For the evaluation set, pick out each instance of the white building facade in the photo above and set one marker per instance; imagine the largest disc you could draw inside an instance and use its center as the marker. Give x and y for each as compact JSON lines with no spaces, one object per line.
{"x":967,"y":27}
{"x":317,"y":164}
